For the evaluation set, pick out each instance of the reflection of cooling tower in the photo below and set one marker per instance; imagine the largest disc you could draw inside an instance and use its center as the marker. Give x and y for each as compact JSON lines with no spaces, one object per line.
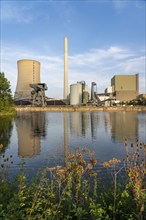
{"x":30,"y":128}
{"x":28,"y":146}
{"x":28,"y":73}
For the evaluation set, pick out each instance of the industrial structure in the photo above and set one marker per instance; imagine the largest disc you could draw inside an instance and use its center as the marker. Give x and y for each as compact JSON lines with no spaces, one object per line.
{"x":125,"y":87}
{"x":29,"y":89}
{"x":38,"y":94}
{"x":66,"y":69}
{"x":79,"y":93}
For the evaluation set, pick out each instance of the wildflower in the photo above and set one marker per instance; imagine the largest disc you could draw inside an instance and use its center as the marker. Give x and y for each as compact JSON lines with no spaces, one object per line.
{"x":68,"y":165}
{"x":82,"y":162}
{"x":79,"y":155}
{"x":80,"y":170}
{"x":93,"y":161}
{"x":114,"y":161}
{"x":89,"y":166}
{"x":106,"y":164}
{"x":71,"y":156}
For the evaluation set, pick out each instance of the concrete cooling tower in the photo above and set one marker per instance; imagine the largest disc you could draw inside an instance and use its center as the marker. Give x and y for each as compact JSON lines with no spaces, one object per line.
{"x":28,"y":73}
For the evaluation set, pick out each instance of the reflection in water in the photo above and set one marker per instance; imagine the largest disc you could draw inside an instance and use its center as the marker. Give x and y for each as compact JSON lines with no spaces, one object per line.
{"x":101,"y":132}
{"x":79,"y":122}
{"x":30,"y":128}
{"x":119,"y":125}
{"x":94,"y":123}
{"x":124,"y":125}
{"x":65,"y":135}
{"x":6,"y":127}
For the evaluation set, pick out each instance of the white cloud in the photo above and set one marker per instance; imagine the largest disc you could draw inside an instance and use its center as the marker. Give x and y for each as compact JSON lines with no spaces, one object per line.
{"x":97,"y":65}
{"x":119,"y":4}
{"x":12,"y":13}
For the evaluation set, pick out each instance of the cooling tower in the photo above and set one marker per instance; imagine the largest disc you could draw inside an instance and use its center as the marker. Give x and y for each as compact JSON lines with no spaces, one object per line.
{"x":65,"y":68}
{"x":28,"y":73}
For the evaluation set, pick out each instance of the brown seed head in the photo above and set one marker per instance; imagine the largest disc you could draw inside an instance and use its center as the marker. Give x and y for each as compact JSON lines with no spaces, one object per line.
{"x":71,"y":156}
{"x":82,"y":162}
{"x":79,"y":155}
{"x":93,"y":161}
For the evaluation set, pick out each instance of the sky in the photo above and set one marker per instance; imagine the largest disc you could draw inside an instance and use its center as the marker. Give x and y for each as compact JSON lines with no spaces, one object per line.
{"x":105,"y":38}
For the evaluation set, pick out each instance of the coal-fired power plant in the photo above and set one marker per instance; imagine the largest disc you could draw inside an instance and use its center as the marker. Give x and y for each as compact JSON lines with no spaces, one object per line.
{"x":65,"y":69}
{"x":31,"y":91}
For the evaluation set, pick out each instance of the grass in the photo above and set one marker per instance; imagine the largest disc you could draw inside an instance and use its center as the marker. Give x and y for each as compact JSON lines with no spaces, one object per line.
{"x":74,"y":191}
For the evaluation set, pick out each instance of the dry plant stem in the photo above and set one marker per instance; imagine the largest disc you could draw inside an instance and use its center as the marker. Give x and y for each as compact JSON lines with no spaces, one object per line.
{"x":115,"y":191}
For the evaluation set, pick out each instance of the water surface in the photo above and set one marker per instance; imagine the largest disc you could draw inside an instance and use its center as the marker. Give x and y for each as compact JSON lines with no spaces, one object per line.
{"x":40,"y":138}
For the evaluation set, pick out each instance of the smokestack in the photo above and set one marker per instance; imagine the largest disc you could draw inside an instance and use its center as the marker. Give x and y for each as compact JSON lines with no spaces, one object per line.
{"x":65,"y":68}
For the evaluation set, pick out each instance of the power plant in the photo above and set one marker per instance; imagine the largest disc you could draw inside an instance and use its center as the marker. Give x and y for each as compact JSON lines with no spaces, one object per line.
{"x":30,"y":90}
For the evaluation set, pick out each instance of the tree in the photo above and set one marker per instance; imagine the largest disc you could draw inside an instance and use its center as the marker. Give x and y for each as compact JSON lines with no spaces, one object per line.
{"x":6,"y":100}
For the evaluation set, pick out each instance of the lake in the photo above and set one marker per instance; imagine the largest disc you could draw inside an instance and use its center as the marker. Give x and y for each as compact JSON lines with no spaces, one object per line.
{"x":35,"y":139}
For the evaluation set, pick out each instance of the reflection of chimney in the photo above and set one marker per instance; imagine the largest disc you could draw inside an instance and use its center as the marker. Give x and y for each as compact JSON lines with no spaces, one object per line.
{"x":65,"y":135}
{"x":65,"y":68}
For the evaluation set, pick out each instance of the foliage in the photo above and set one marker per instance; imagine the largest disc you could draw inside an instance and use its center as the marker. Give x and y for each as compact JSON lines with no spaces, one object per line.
{"x":6,"y":101}
{"x":5,"y":132}
{"x":73,"y":191}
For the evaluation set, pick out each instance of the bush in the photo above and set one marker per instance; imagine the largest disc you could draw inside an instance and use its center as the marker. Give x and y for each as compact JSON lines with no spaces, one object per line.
{"x":6,"y":101}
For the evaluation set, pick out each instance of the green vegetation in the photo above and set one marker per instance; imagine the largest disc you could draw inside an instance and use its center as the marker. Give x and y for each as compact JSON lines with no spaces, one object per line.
{"x":75,"y":191}
{"x":5,"y":132}
{"x":6,"y":101}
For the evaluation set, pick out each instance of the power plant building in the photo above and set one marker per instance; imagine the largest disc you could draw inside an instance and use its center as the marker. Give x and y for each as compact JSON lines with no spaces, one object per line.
{"x":125,"y":87}
{"x":28,"y":73}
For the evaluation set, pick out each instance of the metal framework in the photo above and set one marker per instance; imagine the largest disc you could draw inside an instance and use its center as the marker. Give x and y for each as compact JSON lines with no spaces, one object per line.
{"x":38,"y":94}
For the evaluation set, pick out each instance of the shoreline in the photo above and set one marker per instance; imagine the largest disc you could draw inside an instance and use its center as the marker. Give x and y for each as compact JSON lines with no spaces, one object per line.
{"x":80,"y":108}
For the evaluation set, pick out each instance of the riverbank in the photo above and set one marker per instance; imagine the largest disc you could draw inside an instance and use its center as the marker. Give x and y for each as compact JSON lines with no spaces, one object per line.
{"x":80,"y":108}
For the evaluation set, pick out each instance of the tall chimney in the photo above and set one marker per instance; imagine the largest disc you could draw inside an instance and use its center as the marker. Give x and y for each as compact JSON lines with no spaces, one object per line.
{"x":65,"y":68}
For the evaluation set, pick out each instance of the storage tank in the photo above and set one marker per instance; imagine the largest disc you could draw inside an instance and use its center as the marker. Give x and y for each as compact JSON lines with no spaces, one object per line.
{"x":28,"y":73}
{"x":85,"y":97}
{"x":76,"y":94}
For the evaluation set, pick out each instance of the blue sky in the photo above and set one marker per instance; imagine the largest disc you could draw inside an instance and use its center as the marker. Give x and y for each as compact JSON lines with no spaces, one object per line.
{"x":105,"y":38}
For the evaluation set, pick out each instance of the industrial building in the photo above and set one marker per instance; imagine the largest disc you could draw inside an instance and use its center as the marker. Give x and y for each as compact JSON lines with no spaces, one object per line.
{"x":125,"y":87}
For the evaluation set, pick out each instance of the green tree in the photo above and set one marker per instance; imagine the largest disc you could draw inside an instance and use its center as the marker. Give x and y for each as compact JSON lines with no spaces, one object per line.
{"x":6,"y":100}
